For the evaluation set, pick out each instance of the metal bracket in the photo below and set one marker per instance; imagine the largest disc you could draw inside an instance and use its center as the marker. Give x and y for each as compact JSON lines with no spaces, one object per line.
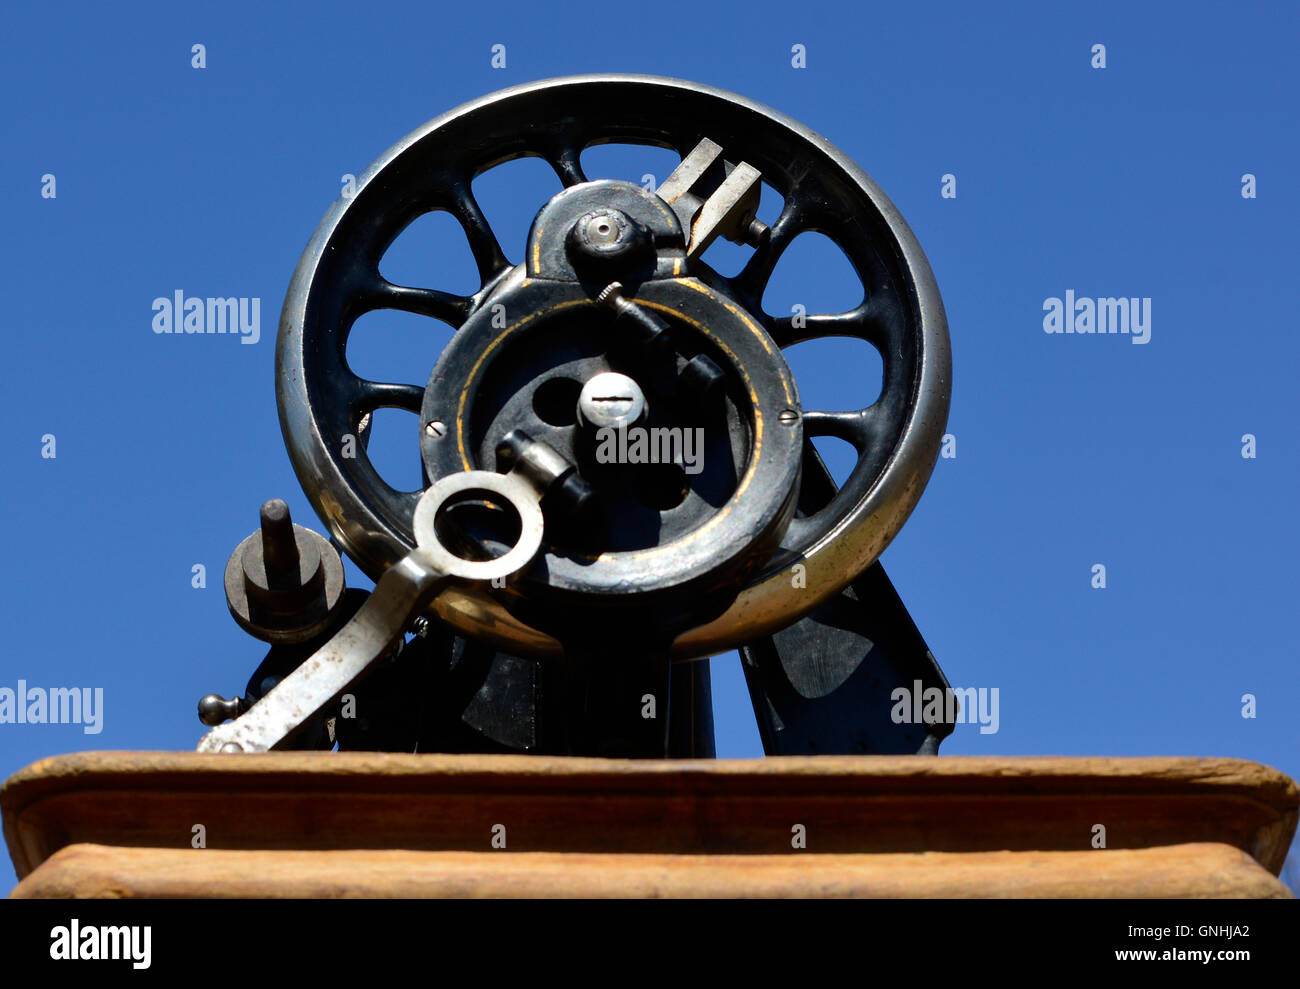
{"x":712,"y":198}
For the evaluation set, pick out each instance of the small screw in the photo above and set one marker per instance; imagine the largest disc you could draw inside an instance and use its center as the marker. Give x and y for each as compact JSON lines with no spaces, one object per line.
{"x":420,"y":626}
{"x":436,"y":428}
{"x":788,"y":417}
{"x":612,"y":295}
{"x":610,"y":399}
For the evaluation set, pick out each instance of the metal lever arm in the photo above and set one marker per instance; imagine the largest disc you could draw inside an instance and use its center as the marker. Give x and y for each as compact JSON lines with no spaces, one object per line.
{"x":401,"y":593}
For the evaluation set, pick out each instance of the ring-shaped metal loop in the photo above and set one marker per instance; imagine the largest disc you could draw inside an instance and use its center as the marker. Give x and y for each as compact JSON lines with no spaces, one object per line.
{"x":509,"y":488}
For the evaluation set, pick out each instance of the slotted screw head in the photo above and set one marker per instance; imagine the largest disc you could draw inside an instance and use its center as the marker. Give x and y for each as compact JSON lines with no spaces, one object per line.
{"x":610,"y":399}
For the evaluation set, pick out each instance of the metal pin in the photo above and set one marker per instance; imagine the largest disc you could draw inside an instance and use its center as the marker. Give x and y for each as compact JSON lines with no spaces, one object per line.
{"x":279,"y":545}
{"x":214,"y":709}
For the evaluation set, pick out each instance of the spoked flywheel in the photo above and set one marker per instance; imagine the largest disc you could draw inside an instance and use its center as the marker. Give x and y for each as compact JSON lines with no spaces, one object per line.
{"x":612,"y":323}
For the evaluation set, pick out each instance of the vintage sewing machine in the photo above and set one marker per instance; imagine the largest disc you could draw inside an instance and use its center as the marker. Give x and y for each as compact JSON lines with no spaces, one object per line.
{"x":619,"y":480}
{"x":619,"y":474}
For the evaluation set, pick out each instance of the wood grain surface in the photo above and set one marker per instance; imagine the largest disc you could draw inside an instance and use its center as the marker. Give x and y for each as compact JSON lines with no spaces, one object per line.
{"x":667,"y":822}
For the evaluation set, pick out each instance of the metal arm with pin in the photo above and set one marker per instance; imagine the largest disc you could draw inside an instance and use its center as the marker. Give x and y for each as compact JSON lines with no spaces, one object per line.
{"x":398,"y":598}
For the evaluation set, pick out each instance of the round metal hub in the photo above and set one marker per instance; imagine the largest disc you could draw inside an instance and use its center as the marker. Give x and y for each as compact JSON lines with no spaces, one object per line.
{"x":696,"y":498}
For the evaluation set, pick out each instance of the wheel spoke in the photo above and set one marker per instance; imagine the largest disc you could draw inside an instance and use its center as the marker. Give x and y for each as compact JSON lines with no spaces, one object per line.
{"x":566,"y":160}
{"x":789,"y":330}
{"x":444,"y":306}
{"x":854,"y":427}
{"x":483,"y":244}
{"x":371,"y":395}
{"x":754,"y":276}
{"x":870,"y":321}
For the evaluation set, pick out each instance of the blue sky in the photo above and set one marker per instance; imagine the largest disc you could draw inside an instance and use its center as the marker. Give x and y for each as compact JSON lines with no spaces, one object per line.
{"x":1072,"y":450}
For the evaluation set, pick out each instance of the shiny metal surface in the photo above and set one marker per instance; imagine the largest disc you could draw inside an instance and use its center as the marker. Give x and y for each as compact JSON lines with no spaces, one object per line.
{"x":824,"y":190}
{"x":400,"y":594}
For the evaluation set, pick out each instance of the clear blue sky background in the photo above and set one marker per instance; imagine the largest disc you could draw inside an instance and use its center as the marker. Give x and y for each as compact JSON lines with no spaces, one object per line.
{"x":1071,"y":451}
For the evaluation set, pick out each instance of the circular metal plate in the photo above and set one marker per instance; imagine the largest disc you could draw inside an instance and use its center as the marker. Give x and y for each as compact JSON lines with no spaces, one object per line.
{"x":732,"y":537}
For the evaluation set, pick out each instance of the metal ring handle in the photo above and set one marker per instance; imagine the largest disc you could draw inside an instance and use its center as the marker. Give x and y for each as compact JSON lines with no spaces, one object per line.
{"x":509,"y":488}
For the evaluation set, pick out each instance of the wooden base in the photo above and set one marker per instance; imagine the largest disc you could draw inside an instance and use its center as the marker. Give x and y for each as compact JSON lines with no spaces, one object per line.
{"x":1198,"y":870}
{"x":371,"y":825}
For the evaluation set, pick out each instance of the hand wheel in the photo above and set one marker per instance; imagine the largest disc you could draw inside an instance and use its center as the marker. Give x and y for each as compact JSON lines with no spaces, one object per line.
{"x":613,"y":283}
